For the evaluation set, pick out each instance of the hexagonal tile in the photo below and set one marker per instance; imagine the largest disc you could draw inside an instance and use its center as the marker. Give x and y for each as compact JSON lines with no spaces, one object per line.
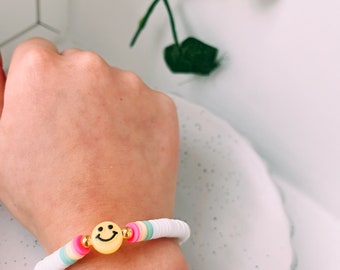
{"x":20,"y":20}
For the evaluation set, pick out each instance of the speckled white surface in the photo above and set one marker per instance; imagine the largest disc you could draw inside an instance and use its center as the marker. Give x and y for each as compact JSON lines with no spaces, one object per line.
{"x":18,"y":248}
{"x":224,"y":192}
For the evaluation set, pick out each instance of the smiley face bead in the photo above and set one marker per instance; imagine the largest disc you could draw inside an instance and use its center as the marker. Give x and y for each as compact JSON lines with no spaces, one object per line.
{"x":106,"y":237}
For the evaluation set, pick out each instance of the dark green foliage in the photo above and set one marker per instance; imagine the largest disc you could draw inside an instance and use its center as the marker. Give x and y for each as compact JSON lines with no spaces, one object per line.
{"x":192,"y":56}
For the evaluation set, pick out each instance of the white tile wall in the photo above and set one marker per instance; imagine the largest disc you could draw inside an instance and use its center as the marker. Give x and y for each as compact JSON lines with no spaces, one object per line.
{"x":15,"y":17}
{"x":20,"y":20}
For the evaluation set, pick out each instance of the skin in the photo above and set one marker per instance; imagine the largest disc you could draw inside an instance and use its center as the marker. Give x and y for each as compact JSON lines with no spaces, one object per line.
{"x":2,"y":85}
{"x":82,"y":142}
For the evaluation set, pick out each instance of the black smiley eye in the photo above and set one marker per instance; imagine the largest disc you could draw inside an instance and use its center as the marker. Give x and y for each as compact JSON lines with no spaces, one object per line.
{"x":110,"y":227}
{"x":100,"y":229}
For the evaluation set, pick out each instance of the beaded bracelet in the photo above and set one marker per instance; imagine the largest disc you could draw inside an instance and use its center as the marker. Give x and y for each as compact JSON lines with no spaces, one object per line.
{"x":107,"y":237}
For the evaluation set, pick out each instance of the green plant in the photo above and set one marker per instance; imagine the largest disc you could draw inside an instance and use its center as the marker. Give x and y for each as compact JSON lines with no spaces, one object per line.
{"x":191,"y":56}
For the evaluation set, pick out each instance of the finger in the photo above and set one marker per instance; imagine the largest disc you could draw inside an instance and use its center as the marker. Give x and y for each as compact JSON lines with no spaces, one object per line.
{"x":2,"y":85}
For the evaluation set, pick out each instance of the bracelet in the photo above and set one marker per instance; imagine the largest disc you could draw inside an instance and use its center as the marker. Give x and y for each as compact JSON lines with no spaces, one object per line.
{"x":107,"y":237}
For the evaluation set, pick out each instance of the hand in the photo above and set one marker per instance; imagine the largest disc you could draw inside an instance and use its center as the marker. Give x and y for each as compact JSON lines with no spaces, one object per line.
{"x":82,"y":142}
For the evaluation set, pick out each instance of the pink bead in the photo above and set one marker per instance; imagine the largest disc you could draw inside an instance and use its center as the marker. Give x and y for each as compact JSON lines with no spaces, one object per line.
{"x":135,"y":232}
{"x":143,"y":231}
{"x":78,"y":247}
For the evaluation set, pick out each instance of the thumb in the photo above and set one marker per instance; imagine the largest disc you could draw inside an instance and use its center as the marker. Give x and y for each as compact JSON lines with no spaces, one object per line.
{"x":2,"y":85}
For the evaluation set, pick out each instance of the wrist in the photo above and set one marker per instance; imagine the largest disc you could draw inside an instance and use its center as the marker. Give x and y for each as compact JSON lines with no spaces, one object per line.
{"x":65,"y":223}
{"x":162,"y":254}
{"x":148,"y":244}
{"x":61,"y":231}
{"x":121,"y":207}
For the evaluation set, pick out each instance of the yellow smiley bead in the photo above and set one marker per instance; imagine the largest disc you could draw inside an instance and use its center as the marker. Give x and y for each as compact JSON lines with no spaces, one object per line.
{"x":106,"y":237}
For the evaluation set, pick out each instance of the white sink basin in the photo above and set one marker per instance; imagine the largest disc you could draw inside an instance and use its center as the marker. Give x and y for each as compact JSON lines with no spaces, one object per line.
{"x":225,"y":193}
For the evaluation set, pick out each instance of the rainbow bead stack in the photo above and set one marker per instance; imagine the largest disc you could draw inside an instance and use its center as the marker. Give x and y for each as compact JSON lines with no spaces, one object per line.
{"x":65,"y":256}
{"x":107,"y":238}
{"x":158,"y":228}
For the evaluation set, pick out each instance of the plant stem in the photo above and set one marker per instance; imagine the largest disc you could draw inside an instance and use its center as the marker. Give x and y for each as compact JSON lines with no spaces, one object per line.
{"x":143,"y":22}
{"x":172,"y":22}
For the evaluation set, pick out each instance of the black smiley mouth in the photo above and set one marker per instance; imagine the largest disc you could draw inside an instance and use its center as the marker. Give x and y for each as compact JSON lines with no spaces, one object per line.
{"x":114,"y":233}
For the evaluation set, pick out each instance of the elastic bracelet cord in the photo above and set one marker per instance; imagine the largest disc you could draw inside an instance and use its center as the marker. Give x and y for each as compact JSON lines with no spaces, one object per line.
{"x":107,"y":237}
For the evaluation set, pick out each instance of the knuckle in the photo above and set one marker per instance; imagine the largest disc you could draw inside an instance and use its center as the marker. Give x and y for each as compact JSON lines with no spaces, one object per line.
{"x":90,"y":61}
{"x":167,"y":103}
{"x":36,"y":59}
{"x":131,"y":82}
{"x":33,"y":52}
{"x":131,"y":79}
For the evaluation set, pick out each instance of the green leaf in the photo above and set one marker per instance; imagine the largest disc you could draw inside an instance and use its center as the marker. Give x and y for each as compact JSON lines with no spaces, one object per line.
{"x":192,"y":56}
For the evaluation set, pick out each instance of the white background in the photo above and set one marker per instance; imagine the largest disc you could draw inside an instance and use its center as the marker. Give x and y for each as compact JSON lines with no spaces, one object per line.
{"x":278,"y":83}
